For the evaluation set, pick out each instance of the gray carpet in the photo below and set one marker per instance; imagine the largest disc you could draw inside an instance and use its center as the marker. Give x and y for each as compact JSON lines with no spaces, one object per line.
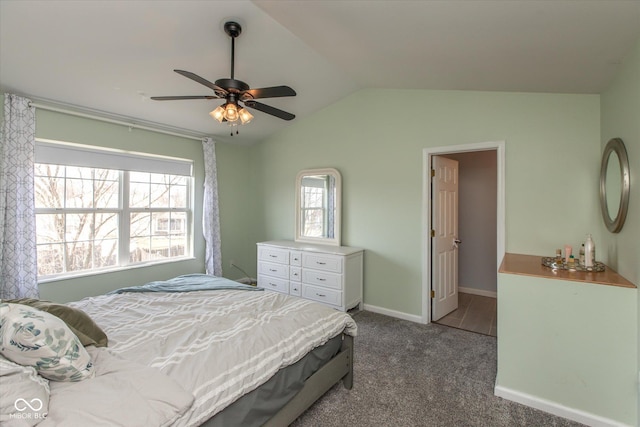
{"x":407,"y":374}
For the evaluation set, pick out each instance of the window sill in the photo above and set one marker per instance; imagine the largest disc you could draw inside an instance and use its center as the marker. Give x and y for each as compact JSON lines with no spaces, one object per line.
{"x":90,"y":273}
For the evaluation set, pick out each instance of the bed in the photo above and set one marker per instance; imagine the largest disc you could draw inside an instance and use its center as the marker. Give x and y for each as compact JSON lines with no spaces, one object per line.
{"x":217,"y":353}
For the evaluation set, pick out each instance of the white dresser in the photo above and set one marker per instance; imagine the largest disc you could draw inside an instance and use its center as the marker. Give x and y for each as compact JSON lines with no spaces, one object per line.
{"x":328,"y":274}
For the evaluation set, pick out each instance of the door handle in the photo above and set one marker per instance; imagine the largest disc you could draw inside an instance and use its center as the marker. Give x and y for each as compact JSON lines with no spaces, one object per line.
{"x":456,"y":243}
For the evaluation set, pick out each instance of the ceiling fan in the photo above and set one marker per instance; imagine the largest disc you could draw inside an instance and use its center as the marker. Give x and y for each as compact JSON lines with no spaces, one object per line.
{"x":235,"y":92}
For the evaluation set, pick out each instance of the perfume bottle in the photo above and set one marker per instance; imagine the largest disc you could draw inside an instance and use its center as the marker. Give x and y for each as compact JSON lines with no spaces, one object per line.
{"x":589,"y":252}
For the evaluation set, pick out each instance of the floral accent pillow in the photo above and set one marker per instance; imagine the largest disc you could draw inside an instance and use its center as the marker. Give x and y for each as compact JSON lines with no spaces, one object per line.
{"x":31,"y":337}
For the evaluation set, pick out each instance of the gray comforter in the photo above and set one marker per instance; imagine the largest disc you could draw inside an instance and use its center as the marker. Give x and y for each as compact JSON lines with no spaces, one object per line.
{"x":216,"y":344}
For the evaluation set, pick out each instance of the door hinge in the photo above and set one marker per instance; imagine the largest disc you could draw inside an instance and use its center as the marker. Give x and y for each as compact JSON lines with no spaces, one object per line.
{"x":433,"y":294}
{"x":433,"y":172}
{"x":433,"y":233}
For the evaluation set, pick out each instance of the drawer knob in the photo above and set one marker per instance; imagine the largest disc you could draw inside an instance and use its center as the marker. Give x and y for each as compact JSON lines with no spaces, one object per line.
{"x":321,"y":263}
{"x":320,"y":279}
{"x":321,"y":295}
{"x":274,"y":285}
{"x":271,"y":269}
{"x":273,"y":256}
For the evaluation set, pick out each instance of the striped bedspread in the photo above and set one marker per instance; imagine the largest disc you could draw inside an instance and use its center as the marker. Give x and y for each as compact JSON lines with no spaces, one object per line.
{"x":218,"y":345}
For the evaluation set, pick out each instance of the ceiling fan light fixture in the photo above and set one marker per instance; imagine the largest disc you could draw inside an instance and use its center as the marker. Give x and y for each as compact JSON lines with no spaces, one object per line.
{"x":218,"y":113}
{"x":230,"y":112}
{"x":245,"y":116}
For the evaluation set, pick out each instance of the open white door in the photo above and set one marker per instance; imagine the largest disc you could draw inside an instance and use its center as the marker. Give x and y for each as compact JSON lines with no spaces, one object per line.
{"x":444,"y":242}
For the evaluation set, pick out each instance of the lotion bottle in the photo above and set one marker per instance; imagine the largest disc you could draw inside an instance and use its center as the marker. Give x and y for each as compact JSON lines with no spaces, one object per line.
{"x":589,"y":252}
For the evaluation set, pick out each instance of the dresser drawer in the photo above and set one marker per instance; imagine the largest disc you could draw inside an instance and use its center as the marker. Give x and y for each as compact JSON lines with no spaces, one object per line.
{"x":274,"y":284}
{"x":295,"y":274}
{"x":271,"y":269}
{"x":321,"y":278}
{"x":295,"y":258}
{"x":327,"y":296}
{"x":281,"y":256}
{"x":322,"y":262}
{"x":295,"y":289}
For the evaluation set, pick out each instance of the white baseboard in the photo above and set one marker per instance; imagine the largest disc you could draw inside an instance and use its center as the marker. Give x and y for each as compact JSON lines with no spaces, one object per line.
{"x":480,"y":292}
{"x":556,"y":408}
{"x":392,"y":313}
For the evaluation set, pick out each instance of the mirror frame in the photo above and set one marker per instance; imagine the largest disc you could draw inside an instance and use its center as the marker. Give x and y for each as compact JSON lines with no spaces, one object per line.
{"x":615,"y":145}
{"x":335,"y":241}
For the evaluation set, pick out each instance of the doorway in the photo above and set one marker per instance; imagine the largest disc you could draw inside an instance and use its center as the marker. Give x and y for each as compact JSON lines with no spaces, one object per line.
{"x":482,"y":231}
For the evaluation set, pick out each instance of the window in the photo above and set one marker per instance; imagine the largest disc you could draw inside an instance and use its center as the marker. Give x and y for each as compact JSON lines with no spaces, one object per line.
{"x":313,"y":211}
{"x":157,"y":216}
{"x":90,"y":218}
{"x":317,"y":207}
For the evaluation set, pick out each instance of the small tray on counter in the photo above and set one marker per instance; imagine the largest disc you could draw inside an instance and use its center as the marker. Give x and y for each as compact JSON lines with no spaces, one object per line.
{"x":551,"y":263}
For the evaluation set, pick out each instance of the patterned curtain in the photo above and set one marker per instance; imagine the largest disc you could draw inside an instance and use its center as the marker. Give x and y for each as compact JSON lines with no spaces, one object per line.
{"x":210,"y":211}
{"x":18,"y":269}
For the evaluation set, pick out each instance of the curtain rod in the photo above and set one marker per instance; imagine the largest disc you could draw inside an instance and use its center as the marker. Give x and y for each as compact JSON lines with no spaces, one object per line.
{"x":114,"y":121}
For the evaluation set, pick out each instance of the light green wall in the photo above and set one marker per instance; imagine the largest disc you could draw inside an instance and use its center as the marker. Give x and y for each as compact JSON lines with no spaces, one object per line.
{"x":376,"y":139}
{"x":573,"y":344}
{"x":234,"y":191}
{"x":237,"y":209}
{"x":621,"y":118}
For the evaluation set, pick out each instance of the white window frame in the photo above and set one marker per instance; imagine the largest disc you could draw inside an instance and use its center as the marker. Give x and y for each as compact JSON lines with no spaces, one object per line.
{"x":72,"y":154}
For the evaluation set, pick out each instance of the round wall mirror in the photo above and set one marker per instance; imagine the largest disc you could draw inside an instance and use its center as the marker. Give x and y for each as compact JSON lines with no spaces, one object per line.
{"x":614,"y":185}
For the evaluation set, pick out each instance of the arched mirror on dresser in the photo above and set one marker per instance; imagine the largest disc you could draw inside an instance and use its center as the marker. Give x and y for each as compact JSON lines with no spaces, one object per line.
{"x":614,"y":185}
{"x":318,"y":206}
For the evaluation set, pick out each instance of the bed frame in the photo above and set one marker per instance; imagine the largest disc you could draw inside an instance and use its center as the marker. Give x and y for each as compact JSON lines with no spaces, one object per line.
{"x":338,"y":368}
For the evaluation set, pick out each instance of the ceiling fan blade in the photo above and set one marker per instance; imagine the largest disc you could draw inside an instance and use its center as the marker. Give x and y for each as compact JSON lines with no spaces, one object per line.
{"x":271,"y":92}
{"x":202,"y":81}
{"x":174,"y":98}
{"x":269,"y":110}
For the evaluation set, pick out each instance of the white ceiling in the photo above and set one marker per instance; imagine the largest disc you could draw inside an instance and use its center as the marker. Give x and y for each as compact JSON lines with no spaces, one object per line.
{"x":111,"y":56}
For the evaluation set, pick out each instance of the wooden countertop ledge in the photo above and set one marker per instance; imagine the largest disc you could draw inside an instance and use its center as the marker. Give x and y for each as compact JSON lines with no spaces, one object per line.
{"x":531,"y":265}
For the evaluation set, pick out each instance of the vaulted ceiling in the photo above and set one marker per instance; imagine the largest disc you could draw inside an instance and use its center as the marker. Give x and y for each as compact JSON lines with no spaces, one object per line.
{"x":111,"y":56}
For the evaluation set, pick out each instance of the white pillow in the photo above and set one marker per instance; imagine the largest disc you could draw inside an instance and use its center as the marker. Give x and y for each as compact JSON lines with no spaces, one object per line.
{"x":24,"y":395}
{"x":31,"y":337}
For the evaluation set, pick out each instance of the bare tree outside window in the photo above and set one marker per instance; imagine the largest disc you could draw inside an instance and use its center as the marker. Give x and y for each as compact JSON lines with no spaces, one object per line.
{"x":313,"y":211}
{"x":150,"y":236}
{"x":79,"y":215}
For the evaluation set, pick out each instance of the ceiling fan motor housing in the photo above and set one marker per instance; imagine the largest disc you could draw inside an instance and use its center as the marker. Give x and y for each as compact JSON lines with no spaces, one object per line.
{"x":232,"y":28}
{"x":232,"y":85}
